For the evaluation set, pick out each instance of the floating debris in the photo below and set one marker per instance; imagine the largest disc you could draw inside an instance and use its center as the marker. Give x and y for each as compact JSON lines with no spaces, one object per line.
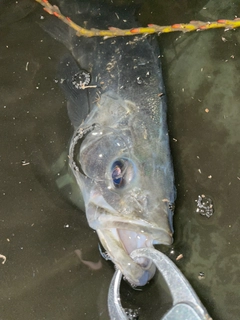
{"x":180,"y":256}
{"x":204,"y":206}
{"x":25,"y":162}
{"x":3,"y":257}
{"x":201,"y":276}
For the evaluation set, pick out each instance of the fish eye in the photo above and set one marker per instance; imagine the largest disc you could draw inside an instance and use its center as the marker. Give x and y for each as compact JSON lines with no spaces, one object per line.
{"x":122,"y":172}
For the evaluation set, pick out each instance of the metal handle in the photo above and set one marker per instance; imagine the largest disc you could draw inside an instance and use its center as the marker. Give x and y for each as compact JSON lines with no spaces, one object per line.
{"x":186,"y":304}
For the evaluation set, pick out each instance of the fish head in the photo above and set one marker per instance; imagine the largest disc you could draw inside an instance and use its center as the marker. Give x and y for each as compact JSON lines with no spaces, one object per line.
{"x":120,"y":158}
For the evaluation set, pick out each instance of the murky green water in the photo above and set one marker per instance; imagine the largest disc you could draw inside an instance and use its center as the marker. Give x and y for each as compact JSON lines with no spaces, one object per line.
{"x":40,"y":226}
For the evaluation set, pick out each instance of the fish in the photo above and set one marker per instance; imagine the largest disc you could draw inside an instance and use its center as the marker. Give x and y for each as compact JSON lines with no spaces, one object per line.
{"x":119,"y":152}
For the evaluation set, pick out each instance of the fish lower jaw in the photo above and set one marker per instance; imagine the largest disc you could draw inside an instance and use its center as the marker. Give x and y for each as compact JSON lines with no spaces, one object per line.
{"x":131,"y":241}
{"x":119,"y":245}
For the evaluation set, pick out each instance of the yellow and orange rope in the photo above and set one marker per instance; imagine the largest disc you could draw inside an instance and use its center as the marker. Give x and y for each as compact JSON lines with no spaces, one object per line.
{"x":152,"y":28}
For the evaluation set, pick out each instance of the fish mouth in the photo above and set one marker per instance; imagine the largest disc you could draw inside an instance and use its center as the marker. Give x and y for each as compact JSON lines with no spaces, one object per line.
{"x":119,"y":244}
{"x":132,"y":241}
{"x":121,"y":234}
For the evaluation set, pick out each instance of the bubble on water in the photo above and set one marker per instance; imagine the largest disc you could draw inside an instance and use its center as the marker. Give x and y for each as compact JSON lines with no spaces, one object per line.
{"x":132,"y":314}
{"x":81,"y":79}
{"x":204,"y":206}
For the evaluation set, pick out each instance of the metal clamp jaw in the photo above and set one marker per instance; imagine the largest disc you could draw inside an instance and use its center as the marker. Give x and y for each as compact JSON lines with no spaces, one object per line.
{"x":186,"y":304}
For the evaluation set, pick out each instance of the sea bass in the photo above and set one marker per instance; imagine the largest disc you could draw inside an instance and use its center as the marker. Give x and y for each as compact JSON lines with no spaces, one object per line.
{"x":119,"y":152}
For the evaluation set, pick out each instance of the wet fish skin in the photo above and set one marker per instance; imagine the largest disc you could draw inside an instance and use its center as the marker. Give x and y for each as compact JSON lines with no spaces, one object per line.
{"x":120,"y":149}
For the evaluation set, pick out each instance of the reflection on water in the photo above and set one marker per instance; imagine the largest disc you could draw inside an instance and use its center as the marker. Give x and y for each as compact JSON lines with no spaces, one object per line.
{"x":41,"y":227}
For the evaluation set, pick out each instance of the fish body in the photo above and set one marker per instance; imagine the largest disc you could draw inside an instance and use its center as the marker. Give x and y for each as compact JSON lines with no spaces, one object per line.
{"x":119,"y":152}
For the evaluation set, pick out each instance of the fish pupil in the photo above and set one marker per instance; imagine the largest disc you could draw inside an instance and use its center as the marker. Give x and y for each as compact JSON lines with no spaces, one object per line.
{"x":117,"y":173}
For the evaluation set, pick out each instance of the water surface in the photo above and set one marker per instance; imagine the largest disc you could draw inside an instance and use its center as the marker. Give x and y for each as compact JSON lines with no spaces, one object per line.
{"x":40,"y":223}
